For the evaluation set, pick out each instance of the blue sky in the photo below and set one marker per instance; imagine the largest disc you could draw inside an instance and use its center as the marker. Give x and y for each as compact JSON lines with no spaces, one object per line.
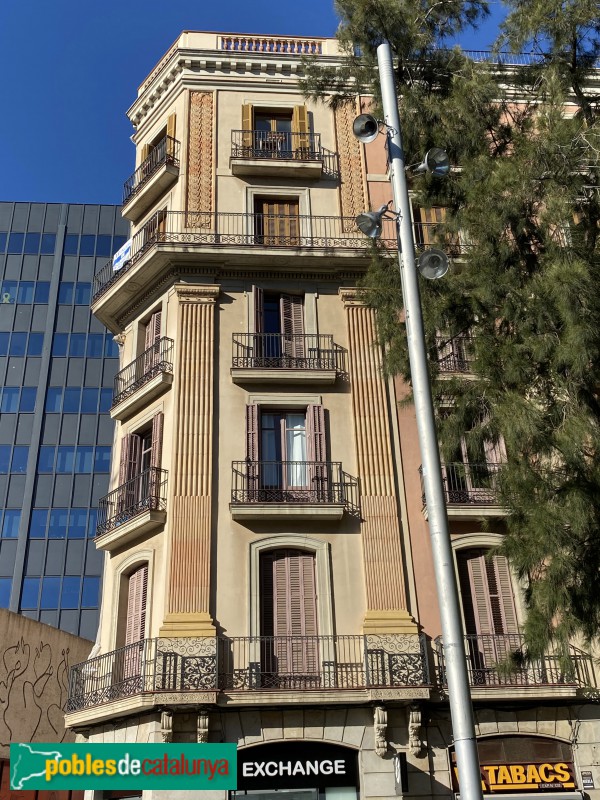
{"x":70,"y":69}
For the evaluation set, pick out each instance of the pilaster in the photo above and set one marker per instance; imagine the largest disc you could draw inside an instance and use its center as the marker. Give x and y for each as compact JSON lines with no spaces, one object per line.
{"x":381,"y":531}
{"x":188,"y":581}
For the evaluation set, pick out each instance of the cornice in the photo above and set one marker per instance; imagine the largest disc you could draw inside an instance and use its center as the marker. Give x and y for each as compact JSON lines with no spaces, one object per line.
{"x":194,"y":293}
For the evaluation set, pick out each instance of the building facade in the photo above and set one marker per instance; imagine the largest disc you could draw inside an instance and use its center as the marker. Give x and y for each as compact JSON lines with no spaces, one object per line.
{"x":57,"y":365}
{"x":268,"y":578}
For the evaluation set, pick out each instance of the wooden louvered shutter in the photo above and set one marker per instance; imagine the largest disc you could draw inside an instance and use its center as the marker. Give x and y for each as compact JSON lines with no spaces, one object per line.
{"x":495,"y":452}
{"x":129,"y":469}
{"x":300,"y":126}
{"x":292,"y":325}
{"x":136,"y":605}
{"x":171,"y":122}
{"x":152,"y":341}
{"x":259,"y":342}
{"x":145,"y":153}
{"x":154,"y":483}
{"x":252,"y":452}
{"x":316,"y":450}
{"x":247,"y":125}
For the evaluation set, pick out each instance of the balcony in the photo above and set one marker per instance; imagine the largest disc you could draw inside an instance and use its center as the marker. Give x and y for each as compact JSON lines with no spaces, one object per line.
{"x":132,"y":510}
{"x":292,"y":490}
{"x":470,"y":491}
{"x":454,"y":354}
{"x":495,"y":665}
{"x":281,"y":154}
{"x":255,"y":669}
{"x":143,"y":379}
{"x":286,"y":242}
{"x":151,"y":179}
{"x":286,"y":358}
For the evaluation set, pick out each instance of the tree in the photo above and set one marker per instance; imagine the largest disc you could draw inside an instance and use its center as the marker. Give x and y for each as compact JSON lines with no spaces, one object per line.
{"x":525,"y":204}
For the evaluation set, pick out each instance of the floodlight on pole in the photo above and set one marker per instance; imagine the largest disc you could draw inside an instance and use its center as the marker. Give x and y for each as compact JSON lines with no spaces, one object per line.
{"x":371,"y":222}
{"x":436,"y":163}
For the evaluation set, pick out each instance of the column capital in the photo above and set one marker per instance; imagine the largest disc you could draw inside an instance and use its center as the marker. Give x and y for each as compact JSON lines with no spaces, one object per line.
{"x":351,"y":296}
{"x":196,"y":292}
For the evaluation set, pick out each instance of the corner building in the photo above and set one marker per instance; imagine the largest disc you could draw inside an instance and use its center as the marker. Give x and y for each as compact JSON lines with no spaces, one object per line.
{"x":259,"y":582}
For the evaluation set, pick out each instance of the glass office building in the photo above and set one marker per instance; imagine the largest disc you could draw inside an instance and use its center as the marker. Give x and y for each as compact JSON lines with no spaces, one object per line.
{"x":57,"y":365}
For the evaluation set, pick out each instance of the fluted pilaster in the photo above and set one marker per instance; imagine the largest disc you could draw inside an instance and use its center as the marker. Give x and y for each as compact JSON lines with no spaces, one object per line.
{"x":381,"y":530}
{"x":188,"y":587}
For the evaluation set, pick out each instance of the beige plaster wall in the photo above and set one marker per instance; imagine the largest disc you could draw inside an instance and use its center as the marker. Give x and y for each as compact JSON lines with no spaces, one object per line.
{"x":34,"y":679}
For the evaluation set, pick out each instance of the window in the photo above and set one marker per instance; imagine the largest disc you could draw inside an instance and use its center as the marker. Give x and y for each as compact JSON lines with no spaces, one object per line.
{"x":38,"y":522}
{"x":69,"y":597}
{"x":60,"y":344}
{"x":46,"y":459}
{"x":275,"y":133}
{"x":50,"y":593}
{"x":19,"y":459}
{"x":286,"y":454}
{"x":135,"y":627}
{"x":54,"y":399}
{"x":102,"y":459}
{"x":8,"y":291}
{"x":10,"y":399}
{"x":77,"y":345}
{"x":15,"y":242}
{"x":82,"y":294}
{"x":279,"y":325}
{"x":36,"y":342}
{"x":111,"y":348}
{"x":106,"y":396}
{"x":84,"y":457}
{"x":42,"y":292}
{"x":48,"y":244}
{"x":95,"y":345}
{"x":32,"y":243}
{"x":277,"y":221}
{"x":77,"y":523}
{"x":72,"y":399}
{"x":5,"y":587}
{"x":10,"y":524}
{"x":87,"y":245}
{"x":471,"y":475}
{"x":25,"y":293}
{"x":28,"y":395}
{"x":29,"y":593}
{"x":89,"y":401}
{"x":18,"y":344}
{"x":71,"y":244}
{"x":4,"y":458}
{"x":288,"y":612}
{"x":103,"y":242}
{"x":57,"y":528}
{"x":65,"y":458}
{"x":90,"y":592}
{"x":140,"y":457}
{"x":65,"y":293}
{"x":489,"y":612}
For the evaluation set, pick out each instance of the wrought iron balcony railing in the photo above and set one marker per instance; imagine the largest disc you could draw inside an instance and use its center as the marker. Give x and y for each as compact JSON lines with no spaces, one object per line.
{"x":279,"y":145}
{"x":202,"y":229}
{"x":165,"y":152}
{"x":253,"y":663}
{"x":308,"y":351}
{"x":469,"y":484}
{"x":454,"y":354}
{"x":145,"y":492}
{"x":497,"y":660}
{"x":156,"y":359}
{"x":323,"y":482}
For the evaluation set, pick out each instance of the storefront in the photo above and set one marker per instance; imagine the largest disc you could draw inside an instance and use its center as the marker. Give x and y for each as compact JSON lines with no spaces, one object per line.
{"x":518,"y":766}
{"x":297,"y":770}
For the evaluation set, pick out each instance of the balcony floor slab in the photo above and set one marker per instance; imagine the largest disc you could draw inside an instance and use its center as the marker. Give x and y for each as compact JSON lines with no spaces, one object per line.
{"x":286,"y":511}
{"x":140,"y":525}
{"x":142,"y":396}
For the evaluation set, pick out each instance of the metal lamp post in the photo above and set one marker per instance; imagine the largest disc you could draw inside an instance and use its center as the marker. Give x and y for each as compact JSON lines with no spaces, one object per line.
{"x":461,"y":711}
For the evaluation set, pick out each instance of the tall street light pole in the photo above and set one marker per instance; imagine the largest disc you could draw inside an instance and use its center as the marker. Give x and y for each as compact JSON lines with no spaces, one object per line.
{"x":461,"y":711}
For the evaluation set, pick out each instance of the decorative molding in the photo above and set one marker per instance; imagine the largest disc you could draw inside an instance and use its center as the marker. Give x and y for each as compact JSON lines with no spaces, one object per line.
{"x":351,"y":296}
{"x":166,"y":726}
{"x":200,"y":155}
{"x":380,"y":728}
{"x":352,"y":188}
{"x":202,"y":727}
{"x":196,"y":293}
{"x":415,"y":731}
{"x":119,"y":338}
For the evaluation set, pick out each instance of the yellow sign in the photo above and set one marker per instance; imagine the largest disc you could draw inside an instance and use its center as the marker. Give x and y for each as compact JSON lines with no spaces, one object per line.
{"x":524,"y":777}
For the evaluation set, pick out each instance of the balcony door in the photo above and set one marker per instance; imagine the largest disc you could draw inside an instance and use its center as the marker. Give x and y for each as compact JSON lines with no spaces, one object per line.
{"x":490,"y":617}
{"x":285,"y":452}
{"x":135,"y":628}
{"x":139,"y":481}
{"x":277,"y":221}
{"x":471,"y":475}
{"x":279,"y":328}
{"x":288,"y":619}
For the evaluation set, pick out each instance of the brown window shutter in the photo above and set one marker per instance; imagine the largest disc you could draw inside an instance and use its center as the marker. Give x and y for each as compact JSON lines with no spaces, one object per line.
{"x":258,"y":297}
{"x":252,"y":432}
{"x":171,"y":125}
{"x":153,"y":330}
{"x":266,"y":594}
{"x":506,"y":597}
{"x":292,"y":325}
{"x":300,"y":128}
{"x":136,"y":605}
{"x":157,"y":439}
{"x":145,"y":153}
{"x":247,"y":125}
{"x":131,"y":449}
{"x":495,"y":452}
{"x":315,"y":433}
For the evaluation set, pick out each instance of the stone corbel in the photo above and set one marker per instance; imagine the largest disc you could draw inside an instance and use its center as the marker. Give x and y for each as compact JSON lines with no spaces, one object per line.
{"x":119,"y":338}
{"x":415,"y":731}
{"x":380,"y":729}
{"x":202,"y":727}
{"x":166,"y":726}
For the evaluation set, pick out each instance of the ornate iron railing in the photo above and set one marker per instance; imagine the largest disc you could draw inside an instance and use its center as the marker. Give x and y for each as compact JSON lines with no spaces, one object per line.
{"x":145,"y":492}
{"x":156,"y":359}
{"x":469,"y":484}
{"x":294,"y":482}
{"x":165,"y":152}
{"x":290,"y":145}
{"x":498,"y":660}
{"x":308,"y":351}
{"x":455,"y":353}
{"x":250,"y":663}
{"x":201,"y":229}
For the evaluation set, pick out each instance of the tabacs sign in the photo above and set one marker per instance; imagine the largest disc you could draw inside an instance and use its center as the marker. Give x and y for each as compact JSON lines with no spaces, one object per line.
{"x":524,"y":777}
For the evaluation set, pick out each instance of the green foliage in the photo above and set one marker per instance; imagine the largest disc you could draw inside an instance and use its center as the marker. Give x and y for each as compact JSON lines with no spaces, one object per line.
{"x":525,"y":204}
